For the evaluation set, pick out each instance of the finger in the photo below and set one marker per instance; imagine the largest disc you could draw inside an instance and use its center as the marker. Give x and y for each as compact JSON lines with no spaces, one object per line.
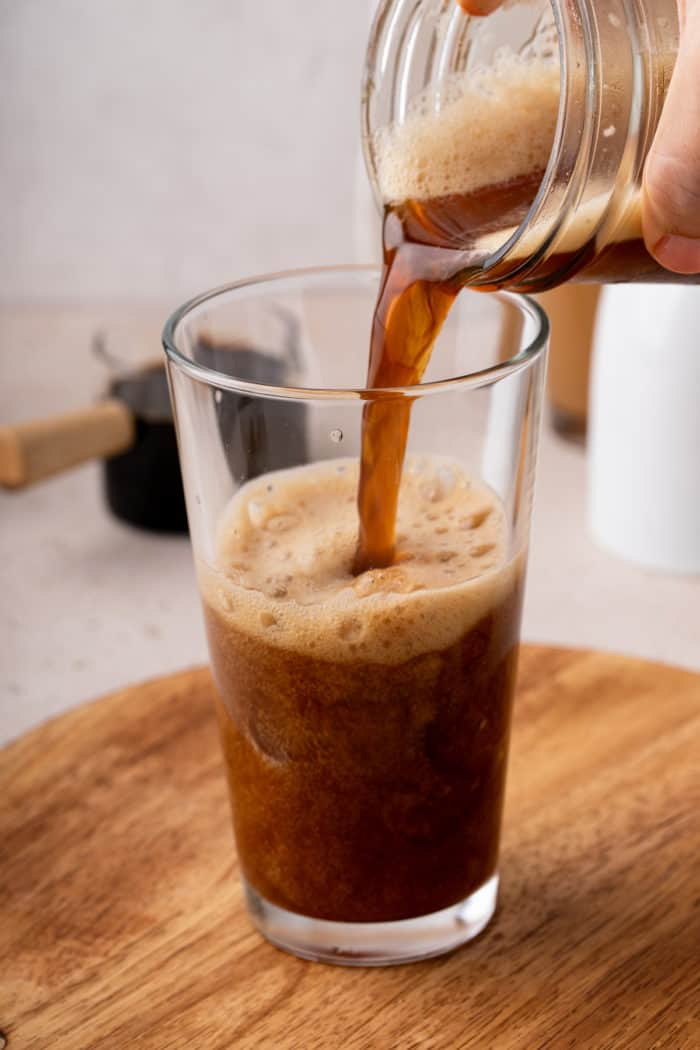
{"x":671,"y":196}
{"x":479,"y":7}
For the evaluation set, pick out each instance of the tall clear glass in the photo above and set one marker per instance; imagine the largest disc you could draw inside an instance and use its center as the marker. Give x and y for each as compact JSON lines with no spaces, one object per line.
{"x":364,"y":719}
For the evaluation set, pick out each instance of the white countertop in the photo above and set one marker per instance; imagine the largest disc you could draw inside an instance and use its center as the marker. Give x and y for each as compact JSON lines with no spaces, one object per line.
{"x":88,"y":604}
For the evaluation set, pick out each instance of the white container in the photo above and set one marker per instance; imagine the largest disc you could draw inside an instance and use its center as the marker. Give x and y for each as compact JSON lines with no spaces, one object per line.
{"x":644,"y":426}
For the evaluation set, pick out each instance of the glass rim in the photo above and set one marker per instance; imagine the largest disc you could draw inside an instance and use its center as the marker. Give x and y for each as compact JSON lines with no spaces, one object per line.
{"x":469,"y":380}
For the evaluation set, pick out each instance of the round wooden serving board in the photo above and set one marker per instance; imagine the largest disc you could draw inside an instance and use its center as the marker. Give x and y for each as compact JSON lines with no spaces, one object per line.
{"x":122,"y":922}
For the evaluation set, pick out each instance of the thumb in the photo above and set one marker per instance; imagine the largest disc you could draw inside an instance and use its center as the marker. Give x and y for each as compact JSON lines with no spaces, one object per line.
{"x":671,"y":195}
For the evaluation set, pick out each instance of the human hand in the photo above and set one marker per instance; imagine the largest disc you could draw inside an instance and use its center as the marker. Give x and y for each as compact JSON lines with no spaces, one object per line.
{"x":671,"y":189}
{"x":671,"y":200}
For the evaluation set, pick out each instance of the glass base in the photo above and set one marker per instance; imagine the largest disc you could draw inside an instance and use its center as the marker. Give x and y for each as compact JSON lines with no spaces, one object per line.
{"x":374,"y":943}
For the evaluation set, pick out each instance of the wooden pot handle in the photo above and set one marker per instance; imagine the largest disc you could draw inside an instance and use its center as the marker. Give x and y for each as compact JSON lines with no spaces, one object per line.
{"x":43,"y":447}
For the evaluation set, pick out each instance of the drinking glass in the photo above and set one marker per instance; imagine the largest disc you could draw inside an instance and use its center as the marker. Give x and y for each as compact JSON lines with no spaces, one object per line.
{"x":365,"y":725}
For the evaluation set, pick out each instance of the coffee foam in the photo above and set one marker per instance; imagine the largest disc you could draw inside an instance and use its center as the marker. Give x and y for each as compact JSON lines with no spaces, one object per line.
{"x":285,"y":550}
{"x":498,"y":123}
{"x":583,"y":226}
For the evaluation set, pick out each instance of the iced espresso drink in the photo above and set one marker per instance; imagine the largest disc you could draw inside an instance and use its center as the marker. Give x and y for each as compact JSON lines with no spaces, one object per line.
{"x":365,"y":718}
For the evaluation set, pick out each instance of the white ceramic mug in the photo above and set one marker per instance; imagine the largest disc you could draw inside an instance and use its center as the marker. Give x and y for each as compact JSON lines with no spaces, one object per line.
{"x":644,"y":429}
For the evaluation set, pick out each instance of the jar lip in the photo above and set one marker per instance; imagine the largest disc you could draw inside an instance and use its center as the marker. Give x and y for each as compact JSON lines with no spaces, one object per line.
{"x":471,"y":380}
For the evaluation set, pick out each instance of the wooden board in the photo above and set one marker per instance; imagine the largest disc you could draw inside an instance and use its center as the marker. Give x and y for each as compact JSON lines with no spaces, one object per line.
{"x":122,"y":921}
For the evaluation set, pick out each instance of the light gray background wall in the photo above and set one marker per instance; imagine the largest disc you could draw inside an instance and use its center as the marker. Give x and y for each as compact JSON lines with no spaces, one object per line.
{"x":151,"y":148}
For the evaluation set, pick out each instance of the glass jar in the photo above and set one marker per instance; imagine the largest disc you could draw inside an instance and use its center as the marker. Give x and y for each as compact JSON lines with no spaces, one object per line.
{"x":542,"y":173}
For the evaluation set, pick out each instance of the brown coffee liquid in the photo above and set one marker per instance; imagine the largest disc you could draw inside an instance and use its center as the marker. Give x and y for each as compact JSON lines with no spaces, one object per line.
{"x":365,"y":719}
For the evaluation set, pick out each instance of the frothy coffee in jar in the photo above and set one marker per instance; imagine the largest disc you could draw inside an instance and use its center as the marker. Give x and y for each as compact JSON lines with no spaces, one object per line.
{"x":364,"y":717}
{"x":464,"y":177}
{"x":495,"y":126}
{"x":456,"y":183}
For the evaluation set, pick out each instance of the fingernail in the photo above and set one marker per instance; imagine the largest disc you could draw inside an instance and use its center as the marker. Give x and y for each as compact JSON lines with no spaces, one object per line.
{"x":679,"y":254}
{"x":479,"y":7}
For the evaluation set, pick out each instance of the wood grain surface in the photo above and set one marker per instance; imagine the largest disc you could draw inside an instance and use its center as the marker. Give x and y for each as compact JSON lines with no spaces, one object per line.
{"x":123,"y":925}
